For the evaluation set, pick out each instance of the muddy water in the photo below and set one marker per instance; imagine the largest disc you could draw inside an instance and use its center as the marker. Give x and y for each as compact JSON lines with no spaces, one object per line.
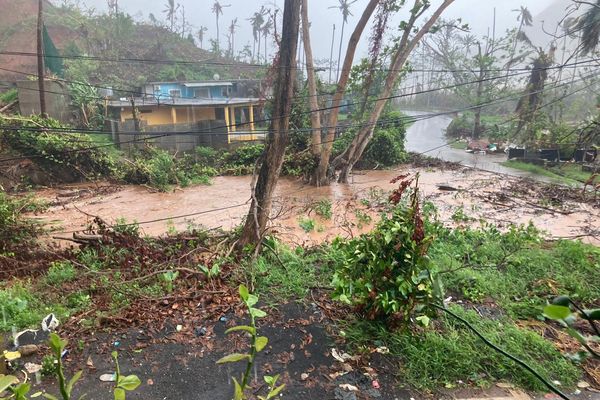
{"x":224,"y":204}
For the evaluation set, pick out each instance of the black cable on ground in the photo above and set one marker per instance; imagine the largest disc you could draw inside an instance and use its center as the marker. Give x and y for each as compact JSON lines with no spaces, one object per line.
{"x":548,"y":384}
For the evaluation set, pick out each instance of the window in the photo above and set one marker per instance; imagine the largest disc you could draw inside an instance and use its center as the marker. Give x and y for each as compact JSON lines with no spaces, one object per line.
{"x":175,"y":93}
{"x":202,"y":93}
{"x":225,"y":91}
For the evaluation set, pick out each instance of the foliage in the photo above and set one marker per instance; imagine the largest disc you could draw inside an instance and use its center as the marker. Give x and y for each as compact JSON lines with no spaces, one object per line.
{"x":21,"y":307}
{"x":448,"y":354}
{"x":561,"y":311}
{"x":60,"y":272}
{"x":282,"y":274}
{"x":385,"y":273}
{"x":123,"y":384}
{"x":517,"y":270}
{"x":323,"y":208}
{"x":257,"y":344}
{"x":58,"y":345}
{"x":493,"y":127}
{"x":64,"y":155}
{"x":9,"y":96}
{"x":386,"y":148}
{"x":307,"y":224}
{"x":15,"y":230}
{"x":160,"y":169}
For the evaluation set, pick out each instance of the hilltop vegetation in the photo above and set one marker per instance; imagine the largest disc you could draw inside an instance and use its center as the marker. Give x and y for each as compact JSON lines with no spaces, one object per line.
{"x":115,"y":36}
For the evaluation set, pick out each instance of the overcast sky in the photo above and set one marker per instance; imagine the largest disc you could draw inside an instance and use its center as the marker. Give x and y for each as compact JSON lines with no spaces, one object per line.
{"x":477,"y":13}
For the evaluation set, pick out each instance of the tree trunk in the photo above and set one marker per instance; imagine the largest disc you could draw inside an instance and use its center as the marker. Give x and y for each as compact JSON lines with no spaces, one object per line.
{"x":270,"y":169}
{"x":337,"y":75}
{"x":321,"y":178}
{"x":313,"y":101}
{"x":345,"y":162}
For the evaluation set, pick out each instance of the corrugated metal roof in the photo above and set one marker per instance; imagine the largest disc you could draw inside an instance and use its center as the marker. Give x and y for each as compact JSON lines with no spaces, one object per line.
{"x":176,"y":101}
{"x":207,"y":84}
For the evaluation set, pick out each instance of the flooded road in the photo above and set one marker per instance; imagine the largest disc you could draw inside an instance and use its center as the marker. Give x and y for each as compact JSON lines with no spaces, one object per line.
{"x":428,"y":137}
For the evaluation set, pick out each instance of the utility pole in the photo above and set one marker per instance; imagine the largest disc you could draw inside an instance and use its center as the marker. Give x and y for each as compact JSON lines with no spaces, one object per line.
{"x":40,"y":58}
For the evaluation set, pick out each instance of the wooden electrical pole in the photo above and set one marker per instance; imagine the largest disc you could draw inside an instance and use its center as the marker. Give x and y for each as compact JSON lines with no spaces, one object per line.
{"x":40,"y":58}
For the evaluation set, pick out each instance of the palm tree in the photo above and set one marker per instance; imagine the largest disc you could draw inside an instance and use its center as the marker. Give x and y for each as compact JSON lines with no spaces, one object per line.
{"x":525,"y":19}
{"x":171,"y":11}
{"x":217,"y":9}
{"x":257,"y":20}
{"x":232,"y":27}
{"x":344,"y":8}
{"x":200,"y":34}
{"x":266,"y":30}
{"x":589,"y":24}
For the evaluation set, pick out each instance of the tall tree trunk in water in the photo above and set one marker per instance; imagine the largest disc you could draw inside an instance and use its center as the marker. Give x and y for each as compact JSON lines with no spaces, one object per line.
{"x":321,"y":178}
{"x":270,"y":169}
{"x":313,"y":101}
{"x":345,"y":161}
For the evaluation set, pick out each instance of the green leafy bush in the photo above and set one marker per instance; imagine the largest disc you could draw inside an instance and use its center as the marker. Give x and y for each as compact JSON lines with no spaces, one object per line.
{"x":60,"y":272}
{"x":9,"y":96}
{"x":385,"y":273}
{"x":67,"y":156}
{"x":15,"y":230}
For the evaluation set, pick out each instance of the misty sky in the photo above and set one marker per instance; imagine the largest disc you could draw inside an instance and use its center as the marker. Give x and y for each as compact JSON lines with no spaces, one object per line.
{"x":477,"y":13}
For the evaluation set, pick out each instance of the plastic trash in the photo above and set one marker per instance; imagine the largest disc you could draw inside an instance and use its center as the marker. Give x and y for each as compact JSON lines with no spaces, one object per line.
{"x":108,"y":377}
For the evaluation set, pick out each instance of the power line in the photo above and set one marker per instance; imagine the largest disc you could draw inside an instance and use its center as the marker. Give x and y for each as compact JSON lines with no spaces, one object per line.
{"x":418,"y":117}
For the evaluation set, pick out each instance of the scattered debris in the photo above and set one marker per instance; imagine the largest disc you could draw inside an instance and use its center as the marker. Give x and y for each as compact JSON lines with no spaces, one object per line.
{"x":583,"y":385}
{"x":108,"y":377}
{"x":32,"y":368}
{"x":28,"y":350}
{"x":304,"y":376}
{"x":349,"y":387}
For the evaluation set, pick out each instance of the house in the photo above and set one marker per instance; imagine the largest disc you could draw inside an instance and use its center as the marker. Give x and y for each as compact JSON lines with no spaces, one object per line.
{"x":214,"y":112}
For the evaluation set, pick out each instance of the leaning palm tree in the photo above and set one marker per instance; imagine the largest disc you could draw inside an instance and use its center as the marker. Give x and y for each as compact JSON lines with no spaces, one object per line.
{"x":217,"y":9}
{"x":257,"y":20}
{"x":171,"y":11}
{"x":525,"y":19}
{"x":200,"y":34}
{"x":589,"y":24}
{"x":232,"y":28}
{"x":344,"y":8}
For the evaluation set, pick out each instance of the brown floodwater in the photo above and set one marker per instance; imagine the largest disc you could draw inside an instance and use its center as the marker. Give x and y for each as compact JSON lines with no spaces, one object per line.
{"x":225,"y":202}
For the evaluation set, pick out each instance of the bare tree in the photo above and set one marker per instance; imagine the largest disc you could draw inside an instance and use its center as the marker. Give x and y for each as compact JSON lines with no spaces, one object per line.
{"x":313,"y":101}
{"x":217,"y":9}
{"x":262,"y":192}
{"x":345,"y":161}
{"x":344,"y":8}
{"x":171,"y":12}
{"x":200,"y":35}
{"x":232,"y":28}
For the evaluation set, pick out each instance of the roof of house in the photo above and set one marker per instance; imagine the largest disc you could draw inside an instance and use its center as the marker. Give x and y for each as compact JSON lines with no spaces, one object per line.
{"x":227,"y":82}
{"x":176,"y":101}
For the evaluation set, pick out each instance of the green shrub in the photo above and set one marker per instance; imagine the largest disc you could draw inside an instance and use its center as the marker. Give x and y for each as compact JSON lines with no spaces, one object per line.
{"x":323,"y":208}
{"x":9,"y":96}
{"x":68,"y":156}
{"x":60,"y":272}
{"x":385,"y":273}
{"x":15,"y":230}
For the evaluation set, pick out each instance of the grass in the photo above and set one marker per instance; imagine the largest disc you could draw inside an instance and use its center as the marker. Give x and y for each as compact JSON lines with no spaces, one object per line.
{"x":292,"y":274}
{"x":570,"y":174}
{"x":517,"y":270}
{"x":447,"y":353}
{"x":459,"y":145}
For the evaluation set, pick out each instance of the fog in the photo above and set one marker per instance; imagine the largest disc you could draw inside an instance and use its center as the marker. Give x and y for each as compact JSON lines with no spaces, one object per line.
{"x":479,"y":14}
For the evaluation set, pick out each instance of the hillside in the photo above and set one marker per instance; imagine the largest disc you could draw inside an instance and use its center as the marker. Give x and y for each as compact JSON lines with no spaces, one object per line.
{"x":75,"y":33}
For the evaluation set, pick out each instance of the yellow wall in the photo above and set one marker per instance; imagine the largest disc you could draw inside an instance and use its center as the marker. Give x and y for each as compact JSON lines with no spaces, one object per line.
{"x":162,"y":115}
